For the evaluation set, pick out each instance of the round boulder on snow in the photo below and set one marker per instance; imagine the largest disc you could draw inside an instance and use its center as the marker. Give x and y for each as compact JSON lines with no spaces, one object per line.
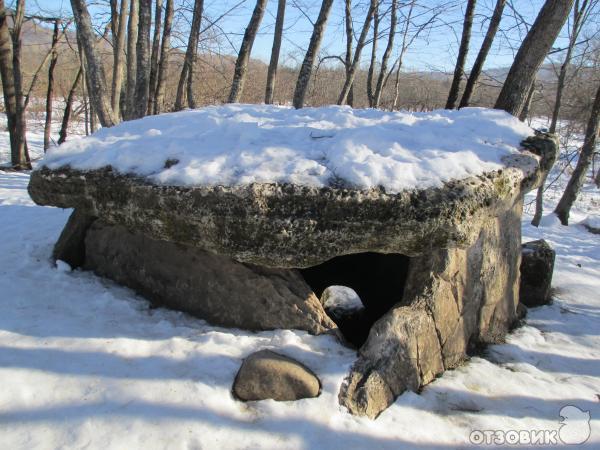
{"x":269,"y":375}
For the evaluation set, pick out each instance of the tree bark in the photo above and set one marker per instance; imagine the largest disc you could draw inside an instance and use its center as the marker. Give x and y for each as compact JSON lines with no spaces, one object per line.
{"x":386,"y":56}
{"x":483,"y":53}
{"x":164,"y":59}
{"x":312,"y":51}
{"x":64,"y":128}
{"x":528,"y":102}
{"x":142,"y":50}
{"x":349,"y":41}
{"x":463,"y":51}
{"x":187,"y":70}
{"x":8,"y":89}
{"x":371,"y":72}
{"x":275,"y":50}
{"x":119,"y":46}
{"x":241,"y":64}
{"x":359,"y":46}
{"x":98,"y":92}
{"x":531,"y":55}
{"x":132,"y":32}
{"x":50,"y":91}
{"x":155,"y":55}
{"x":586,"y":155}
{"x":21,"y":121}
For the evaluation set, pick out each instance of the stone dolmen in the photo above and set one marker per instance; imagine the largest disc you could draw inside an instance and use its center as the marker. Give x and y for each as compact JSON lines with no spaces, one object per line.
{"x":252,"y":238}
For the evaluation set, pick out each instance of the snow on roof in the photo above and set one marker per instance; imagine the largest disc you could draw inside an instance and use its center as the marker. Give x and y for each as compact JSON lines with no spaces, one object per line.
{"x":242,"y":144}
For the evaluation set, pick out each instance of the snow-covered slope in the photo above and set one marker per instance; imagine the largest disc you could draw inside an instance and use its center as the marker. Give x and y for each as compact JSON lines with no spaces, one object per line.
{"x":85,"y":363}
{"x":239,"y":144}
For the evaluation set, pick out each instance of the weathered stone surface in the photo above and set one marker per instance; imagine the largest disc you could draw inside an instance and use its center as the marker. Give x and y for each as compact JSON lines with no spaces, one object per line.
{"x":454,"y":299}
{"x":269,"y":375}
{"x":537,"y":267}
{"x":290,"y":226}
{"x":212,"y":287}
{"x":70,"y":246}
{"x":437,"y":269}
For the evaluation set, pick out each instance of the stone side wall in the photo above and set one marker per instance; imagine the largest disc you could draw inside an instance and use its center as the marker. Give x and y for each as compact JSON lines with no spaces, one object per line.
{"x":454,"y":300}
{"x":209,"y":286}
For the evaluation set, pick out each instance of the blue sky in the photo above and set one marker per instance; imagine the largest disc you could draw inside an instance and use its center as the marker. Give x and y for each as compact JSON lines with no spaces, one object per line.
{"x":434,"y":51}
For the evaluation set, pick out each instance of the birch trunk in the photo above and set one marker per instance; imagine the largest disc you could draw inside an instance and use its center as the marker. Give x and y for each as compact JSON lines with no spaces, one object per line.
{"x":155,"y":55}
{"x":132,"y":32}
{"x":142,"y":49}
{"x":119,"y":46}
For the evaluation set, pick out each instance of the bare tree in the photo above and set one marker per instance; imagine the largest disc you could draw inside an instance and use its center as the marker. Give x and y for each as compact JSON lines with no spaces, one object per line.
{"x":155,"y":56}
{"x":483,"y":53}
{"x":531,"y":54}
{"x":132,"y":32}
{"x":118,"y":53}
{"x":581,"y":12}
{"x":463,"y":51}
{"x":241,"y":64}
{"x":386,"y":56}
{"x":371,"y":72}
{"x":142,"y":81}
{"x":17,"y":144}
{"x":350,"y":73}
{"x":95,"y":70}
{"x":64,"y":128}
{"x":50,"y":90}
{"x":187,"y":71}
{"x":274,"y":62}
{"x":586,"y":155}
{"x":349,"y":41}
{"x":164,"y":59}
{"x":312,"y":51}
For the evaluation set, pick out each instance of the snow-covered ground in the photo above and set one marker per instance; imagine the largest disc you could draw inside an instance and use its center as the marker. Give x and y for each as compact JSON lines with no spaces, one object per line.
{"x":85,"y":363}
{"x":241,"y":144}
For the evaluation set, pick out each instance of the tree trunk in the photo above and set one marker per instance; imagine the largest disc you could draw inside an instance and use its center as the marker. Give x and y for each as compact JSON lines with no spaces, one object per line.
{"x":8,"y":89}
{"x":386,"y":56}
{"x":531,"y":55}
{"x":119,"y":46}
{"x":578,"y":14}
{"x":359,"y":46}
{"x":21,"y":121}
{"x":463,"y":51}
{"x":272,"y":71}
{"x":586,"y":155}
{"x":241,"y":64}
{"x":142,"y":50}
{"x":312,"y":51}
{"x":164,"y":59}
{"x":349,"y":41}
{"x":528,"y":102}
{"x":483,"y":53}
{"x":371,"y":72}
{"x":132,"y":32}
{"x":400,"y":60}
{"x":155,"y":55}
{"x":64,"y":128}
{"x":98,"y":92}
{"x":50,"y":91}
{"x":190,"y":54}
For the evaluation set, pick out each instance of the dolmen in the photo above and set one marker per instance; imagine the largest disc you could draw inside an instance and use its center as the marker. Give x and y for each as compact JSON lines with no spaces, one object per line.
{"x":245,"y":215}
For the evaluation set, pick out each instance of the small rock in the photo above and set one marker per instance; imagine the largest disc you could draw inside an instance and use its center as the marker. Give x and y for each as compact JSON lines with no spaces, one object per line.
{"x":346,"y":309}
{"x":70,"y":247}
{"x":521,"y":311}
{"x":269,"y":375}
{"x":537,"y":265}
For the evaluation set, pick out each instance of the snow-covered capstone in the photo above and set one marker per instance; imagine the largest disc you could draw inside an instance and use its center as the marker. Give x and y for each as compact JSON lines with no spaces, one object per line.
{"x":244,"y":215}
